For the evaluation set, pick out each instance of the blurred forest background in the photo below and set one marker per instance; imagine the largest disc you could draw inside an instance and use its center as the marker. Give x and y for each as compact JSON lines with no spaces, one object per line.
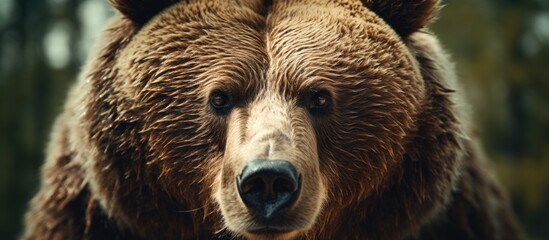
{"x":501,"y":48}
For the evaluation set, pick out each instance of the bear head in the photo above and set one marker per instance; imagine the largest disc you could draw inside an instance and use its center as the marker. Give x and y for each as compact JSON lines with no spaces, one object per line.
{"x":268,"y":119}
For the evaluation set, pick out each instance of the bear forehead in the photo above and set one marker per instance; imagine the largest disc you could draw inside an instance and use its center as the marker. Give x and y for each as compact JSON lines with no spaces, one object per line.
{"x":301,"y":46}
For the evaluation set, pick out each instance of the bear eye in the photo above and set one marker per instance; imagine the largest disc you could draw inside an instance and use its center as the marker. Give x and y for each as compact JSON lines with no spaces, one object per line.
{"x":319,"y":101}
{"x":220,"y":101}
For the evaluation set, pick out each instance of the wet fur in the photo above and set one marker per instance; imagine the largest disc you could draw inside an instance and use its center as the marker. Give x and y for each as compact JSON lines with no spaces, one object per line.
{"x":138,"y":152}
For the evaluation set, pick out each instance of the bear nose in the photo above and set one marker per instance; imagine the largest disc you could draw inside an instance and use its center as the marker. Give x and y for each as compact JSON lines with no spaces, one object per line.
{"x":268,"y":187}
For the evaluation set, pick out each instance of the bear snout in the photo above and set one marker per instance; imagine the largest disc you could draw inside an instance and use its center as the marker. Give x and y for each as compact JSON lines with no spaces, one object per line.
{"x":270,"y":183}
{"x":268,"y":187}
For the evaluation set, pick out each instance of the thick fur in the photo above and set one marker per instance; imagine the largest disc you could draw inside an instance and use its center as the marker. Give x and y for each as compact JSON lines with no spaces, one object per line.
{"x":139,"y":153}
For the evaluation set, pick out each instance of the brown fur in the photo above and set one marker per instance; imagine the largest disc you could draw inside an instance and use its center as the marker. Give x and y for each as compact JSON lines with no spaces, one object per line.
{"x":140,"y":153}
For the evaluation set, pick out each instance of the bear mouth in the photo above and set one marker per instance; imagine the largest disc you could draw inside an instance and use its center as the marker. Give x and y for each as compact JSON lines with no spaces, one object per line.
{"x":285,"y":226}
{"x":272,"y":233}
{"x":269,"y":231}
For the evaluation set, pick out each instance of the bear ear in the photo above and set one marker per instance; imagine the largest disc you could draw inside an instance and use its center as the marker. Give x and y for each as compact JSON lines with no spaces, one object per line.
{"x":405,"y":16}
{"x":141,"y":11}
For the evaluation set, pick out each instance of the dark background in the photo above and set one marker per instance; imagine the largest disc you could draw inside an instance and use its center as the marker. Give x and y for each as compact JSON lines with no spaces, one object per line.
{"x":501,"y":48}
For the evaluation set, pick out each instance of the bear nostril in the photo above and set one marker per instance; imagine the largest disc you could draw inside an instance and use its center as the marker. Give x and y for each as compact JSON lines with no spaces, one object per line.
{"x":268,"y":186}
{"x":284,"y":185}
{"x":254,"y":186}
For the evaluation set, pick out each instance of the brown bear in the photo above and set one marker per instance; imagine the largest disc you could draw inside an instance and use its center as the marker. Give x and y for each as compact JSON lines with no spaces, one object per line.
{"x":284,"y":119}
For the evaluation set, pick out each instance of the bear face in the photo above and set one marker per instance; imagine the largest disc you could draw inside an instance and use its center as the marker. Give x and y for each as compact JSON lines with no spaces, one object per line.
{"x":210,"y":87}
{"x":322,"y":119}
